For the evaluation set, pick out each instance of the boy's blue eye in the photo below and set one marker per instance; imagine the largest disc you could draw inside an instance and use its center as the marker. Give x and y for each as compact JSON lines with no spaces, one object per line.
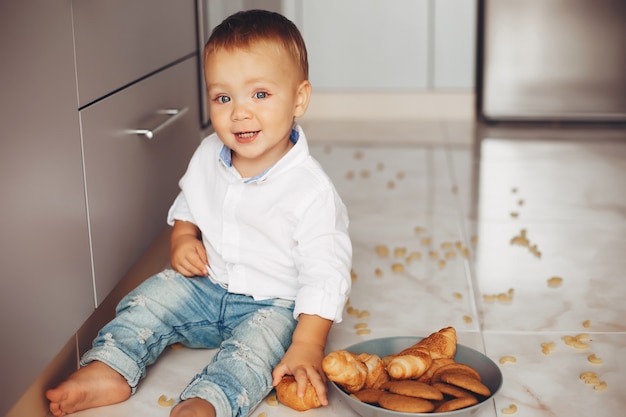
{"x":260,"y":94}
{"x":223,"y":99}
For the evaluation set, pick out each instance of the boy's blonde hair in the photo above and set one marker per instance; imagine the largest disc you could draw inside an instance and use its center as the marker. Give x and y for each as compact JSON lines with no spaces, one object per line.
{"x":245,"y":28}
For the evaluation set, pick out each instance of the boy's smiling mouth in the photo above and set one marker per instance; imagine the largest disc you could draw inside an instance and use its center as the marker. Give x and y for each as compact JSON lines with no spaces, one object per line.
{"x":246,"y":137}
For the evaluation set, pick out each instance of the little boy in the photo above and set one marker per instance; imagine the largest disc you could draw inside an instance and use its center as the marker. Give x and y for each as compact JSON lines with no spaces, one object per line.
{"x":260,"y":249}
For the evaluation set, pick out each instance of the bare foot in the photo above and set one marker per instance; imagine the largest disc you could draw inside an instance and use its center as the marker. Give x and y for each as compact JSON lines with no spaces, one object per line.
{"x":193,"y":407}
{"x":92,"y":386}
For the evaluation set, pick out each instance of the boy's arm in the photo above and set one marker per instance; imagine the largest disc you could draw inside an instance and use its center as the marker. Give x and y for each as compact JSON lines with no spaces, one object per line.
{"x":304,"y":357}
{"x":187,"y":253}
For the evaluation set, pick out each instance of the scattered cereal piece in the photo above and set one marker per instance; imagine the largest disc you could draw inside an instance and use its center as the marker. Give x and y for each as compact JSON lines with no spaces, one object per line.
{"x":547,"y":347}
{"x":447,"y":246}
{"x":360,"y":326}
{"x":397,"y":268}
{"x":588,"y":374}
{"x":272,"y":400}
{"x":520,"y":202}
{"x":262,"y":414}
{"x":490,"y":298}
{"x":601,"y":386}
{"x":419,"y":230}
{"x":467,"y":319}
{"x":391,"y":184}
{"x":575,"y":343}
{"x":353,"y":276}
{"x":450,"y":255}
{"x":414,"y":256}
{"x":363,"y":314}
{"x":594,"y":380}
{"x":507,"y":359}
{"x":399,"y":252}
{"x":378,"y":272}
{"x":350,"y":175}
{"x":365,"y":173}
{"x":441,"y":263}
{"x":351,"y":310}
{"x":583,"y":337}
{"x":511,"y":409}
{"x":594,"y":359}
{"x":362,"y":332}
{"x":514,"y":214}
{"x":426,"y":241}
{"x":514,"y":190}
{"x":474,"y":240}
{"x":382,"y":251}
{"x":433,"y":254}
{"x":457,"y":295}
{"x":555,"y":282}
{"x":163,"y":401}
{"x":586,"y":324}
{"x":358,"y":155}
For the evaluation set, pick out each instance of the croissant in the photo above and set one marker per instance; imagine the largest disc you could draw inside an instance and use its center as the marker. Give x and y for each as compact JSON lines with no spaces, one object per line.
{"x":345,"y":369}
{"x":414,"y":361}
{"x":287,"y":395}
{"x":376,"y":372}
{"x":410,"y":363}
{"x":441,"y":344}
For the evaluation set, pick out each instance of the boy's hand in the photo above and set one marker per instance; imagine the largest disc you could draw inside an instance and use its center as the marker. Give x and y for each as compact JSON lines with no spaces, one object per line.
{"x":187,"y":253}
{"x":304,"y":357}
{"x":303,"y":361}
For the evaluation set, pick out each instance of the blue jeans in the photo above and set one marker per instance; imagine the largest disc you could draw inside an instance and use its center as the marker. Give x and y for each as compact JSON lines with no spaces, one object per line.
{"x":168,"y":308}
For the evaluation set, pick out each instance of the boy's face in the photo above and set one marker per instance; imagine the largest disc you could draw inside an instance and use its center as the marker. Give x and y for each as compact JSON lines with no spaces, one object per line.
{"x":254,"y":96}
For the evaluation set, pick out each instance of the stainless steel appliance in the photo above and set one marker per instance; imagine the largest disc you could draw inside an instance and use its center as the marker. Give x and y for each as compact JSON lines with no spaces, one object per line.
{"x":552,"y":60}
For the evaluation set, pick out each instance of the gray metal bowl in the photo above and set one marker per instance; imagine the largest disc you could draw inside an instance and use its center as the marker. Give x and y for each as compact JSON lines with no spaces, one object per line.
{"x":488,"y":370}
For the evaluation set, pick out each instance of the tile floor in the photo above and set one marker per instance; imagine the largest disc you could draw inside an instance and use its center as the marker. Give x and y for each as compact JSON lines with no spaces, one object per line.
{"x":460,"y":196}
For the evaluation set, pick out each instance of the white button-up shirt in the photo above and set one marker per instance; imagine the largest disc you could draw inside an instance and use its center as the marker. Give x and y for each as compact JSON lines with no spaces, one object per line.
{"x":281,"y":234}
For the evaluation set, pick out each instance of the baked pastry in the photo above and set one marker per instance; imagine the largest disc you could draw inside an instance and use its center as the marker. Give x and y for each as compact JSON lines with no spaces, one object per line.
{"x":287,"y":395}
{"x":368,"y":395}
{"x":466,"y":382}
{"x":405,"y":404}
{"x":414,"y":389}
{"x":414,"y":361}
{"x":441,"y":344}
{"x":376,"y":372}
{"x":437,"y":363}
{"x":345,"y":369}
{"x":456,"y":404}
{"x":457,"y":368}
{"x":410,"y":363}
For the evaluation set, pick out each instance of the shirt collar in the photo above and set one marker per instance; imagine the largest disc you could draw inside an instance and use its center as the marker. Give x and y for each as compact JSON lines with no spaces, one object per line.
{"x":225,"y":156}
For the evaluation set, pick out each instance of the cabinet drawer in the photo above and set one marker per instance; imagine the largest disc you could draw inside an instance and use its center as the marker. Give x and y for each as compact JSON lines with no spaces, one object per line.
{"x":132,"y":180}
{"x":120,"y":41}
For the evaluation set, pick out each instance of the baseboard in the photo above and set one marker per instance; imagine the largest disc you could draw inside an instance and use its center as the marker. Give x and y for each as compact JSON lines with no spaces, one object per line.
{"x":385,"y":105}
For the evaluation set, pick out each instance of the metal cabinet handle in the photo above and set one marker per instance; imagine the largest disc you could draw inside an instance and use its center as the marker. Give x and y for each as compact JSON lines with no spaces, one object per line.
{"x":174,"y":114}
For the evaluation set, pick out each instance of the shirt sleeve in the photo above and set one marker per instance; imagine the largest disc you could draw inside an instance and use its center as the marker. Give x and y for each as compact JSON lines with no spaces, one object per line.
{"x":323,"y":257}
{"x":179,"y":210}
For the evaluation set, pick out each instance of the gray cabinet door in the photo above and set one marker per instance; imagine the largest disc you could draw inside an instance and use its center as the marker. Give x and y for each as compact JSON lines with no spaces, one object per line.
{"x":45,"y":286}
{"x":121,"y":41}
{"x":132,"y":180}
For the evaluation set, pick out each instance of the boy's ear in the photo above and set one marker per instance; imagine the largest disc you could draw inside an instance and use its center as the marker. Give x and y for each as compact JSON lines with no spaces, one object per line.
{"x":303,"y":95}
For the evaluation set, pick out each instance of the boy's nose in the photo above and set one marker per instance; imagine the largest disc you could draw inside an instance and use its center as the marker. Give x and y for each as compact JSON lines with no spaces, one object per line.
{"x":240,"y":112}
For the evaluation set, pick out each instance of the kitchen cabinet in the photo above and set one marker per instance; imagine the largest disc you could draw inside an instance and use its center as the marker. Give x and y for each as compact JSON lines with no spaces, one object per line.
{"x":132,"y":179}
{"x":83,"y":195}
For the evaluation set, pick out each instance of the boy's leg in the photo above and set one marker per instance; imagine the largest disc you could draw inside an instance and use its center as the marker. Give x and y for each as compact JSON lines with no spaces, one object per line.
{"x":240,"y":374}
{"x":165,"y":309}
